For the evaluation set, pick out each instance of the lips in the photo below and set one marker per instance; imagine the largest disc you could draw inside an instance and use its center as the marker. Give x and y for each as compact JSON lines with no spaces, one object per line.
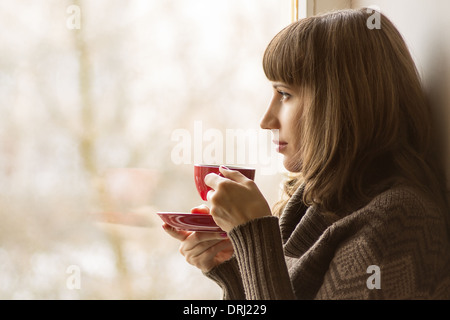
{"x":280,"y":145}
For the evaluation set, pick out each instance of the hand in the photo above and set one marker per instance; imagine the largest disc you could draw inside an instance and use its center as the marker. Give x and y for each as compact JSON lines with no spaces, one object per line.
{"x":235,"y":199}
{"x":204,"y":250}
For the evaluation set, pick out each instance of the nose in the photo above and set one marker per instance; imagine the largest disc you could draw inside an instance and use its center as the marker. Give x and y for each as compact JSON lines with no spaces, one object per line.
{"x":270,"y":119}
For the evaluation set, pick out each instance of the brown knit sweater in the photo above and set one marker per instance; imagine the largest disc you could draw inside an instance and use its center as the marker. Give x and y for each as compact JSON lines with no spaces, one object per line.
{"x":310,"y":255}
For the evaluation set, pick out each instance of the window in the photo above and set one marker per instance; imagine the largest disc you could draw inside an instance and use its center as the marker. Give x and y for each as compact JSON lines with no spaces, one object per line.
{"x":95,"y":96}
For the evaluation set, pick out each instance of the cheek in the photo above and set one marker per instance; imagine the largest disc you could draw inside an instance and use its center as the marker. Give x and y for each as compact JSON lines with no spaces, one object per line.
{"x":290,"y":123}
{"x":292,"y":134}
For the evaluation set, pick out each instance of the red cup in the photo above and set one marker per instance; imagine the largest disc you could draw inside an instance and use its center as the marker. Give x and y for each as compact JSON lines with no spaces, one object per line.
{"x":201,"y":170}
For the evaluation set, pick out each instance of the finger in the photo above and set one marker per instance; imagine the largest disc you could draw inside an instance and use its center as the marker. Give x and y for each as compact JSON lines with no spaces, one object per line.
{"x":208,"y":252}
{"x":212,"y":180}
{"x":196,"y":238}
{"x":211,"y":252}
{"x":209,"y":196}
{"x":197,"y":249}
{"x":223,"y":245}
{"x":200,"y":209}
{"x":232,"y":174}
{"x":177,"y":234}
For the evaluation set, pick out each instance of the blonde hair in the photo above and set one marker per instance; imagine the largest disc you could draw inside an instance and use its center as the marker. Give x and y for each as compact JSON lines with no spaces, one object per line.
{"x":366,"y":124}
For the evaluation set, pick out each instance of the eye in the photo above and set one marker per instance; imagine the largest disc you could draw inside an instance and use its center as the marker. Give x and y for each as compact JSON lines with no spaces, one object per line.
{"x":284,"y":95}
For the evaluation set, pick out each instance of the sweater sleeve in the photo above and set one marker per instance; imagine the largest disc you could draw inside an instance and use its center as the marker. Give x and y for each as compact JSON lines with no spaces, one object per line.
{"x":260,"y":257}
{"x":228,"y":277}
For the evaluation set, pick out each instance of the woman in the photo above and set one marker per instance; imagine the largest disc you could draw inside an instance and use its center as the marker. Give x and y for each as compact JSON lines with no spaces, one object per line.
{"x":365,"y":215}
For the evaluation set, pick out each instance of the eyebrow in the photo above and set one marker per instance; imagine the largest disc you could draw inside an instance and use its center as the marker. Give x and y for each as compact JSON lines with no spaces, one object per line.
{"x":276,"y":85}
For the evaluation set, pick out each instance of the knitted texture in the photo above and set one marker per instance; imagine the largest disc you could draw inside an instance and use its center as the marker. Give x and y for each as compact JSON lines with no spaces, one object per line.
{"x":396,"y":247}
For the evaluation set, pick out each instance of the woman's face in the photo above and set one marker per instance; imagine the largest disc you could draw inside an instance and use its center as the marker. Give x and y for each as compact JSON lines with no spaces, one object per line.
{"x":282,"y":118}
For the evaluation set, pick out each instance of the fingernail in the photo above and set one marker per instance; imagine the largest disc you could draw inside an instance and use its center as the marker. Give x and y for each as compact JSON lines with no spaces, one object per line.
{"x":225,"y":167}
{"x":224,"y":235}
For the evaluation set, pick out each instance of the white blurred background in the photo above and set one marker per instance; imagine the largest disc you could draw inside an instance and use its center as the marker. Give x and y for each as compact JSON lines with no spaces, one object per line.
{"x":89,"y":104}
